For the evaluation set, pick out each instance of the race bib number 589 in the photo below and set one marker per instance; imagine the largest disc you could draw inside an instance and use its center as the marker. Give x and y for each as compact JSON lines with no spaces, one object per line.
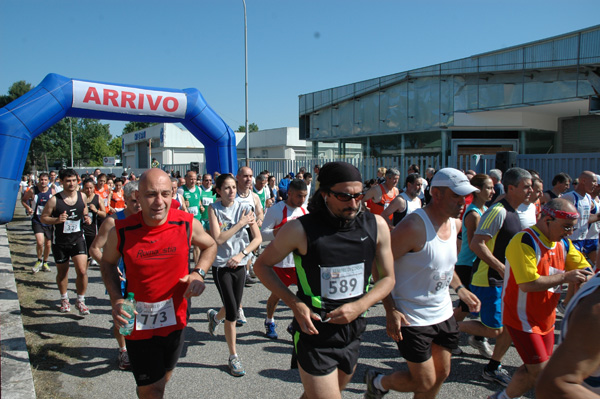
{"x":342,"y":282}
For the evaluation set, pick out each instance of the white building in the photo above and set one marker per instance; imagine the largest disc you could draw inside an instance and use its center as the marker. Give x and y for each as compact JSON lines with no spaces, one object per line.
{"x":172,"y":144}
{"x":168,"y":143}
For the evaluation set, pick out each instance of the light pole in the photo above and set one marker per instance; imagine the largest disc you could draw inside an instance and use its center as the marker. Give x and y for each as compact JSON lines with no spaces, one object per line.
{"x":71,"y":132}
{"x":246,"y":86}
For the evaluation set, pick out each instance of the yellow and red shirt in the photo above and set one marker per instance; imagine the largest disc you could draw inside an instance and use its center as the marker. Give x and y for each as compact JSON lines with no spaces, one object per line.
{"x":530,"y":255}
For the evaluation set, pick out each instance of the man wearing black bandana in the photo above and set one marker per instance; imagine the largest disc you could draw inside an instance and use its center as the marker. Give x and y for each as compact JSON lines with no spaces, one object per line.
{"x":337,"y":247}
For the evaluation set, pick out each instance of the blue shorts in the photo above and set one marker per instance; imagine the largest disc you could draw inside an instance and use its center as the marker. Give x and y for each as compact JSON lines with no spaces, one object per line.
{"x":586,"y":246}
{"x":491,"y":305}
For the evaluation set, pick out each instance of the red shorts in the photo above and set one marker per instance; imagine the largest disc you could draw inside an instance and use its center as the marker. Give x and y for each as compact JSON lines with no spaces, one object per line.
{"x":533,"y":348}
{"x":287,"y":275}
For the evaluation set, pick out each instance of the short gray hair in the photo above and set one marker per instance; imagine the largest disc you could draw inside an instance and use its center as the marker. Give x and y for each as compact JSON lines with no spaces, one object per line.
{"x":496,"y":174}
{"x":130,"y":188}
{"x":513,"y":177}
{"x":391,"y":172}
{"x":261,"y":177}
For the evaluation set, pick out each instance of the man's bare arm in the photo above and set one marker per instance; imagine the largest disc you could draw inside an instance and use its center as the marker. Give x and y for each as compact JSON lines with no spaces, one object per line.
{"x":577,"y":357}
{"x":100,"y":240}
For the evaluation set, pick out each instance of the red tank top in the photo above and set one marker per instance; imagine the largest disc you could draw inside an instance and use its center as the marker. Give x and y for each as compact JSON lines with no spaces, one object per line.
{"x":378,"y":207}
{"x":155,"y":259}
{"x":117,"y":200}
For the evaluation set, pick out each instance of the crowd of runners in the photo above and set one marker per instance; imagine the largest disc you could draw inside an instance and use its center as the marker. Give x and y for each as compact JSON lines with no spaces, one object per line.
{"x":504,"y":245}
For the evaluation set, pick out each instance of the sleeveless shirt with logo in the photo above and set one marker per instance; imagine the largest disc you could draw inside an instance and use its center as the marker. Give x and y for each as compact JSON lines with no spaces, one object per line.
{"x":155,"y":258}
{"x":39,"y":202}
{"x":69,"y":232}
{"x":337,"y":265}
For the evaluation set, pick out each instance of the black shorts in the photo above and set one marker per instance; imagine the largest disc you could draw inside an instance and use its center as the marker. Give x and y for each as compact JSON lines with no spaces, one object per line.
{"x":465,"y":273}
{"x":336,"y":346}
{"x":45,"y":229}
{"x":62,"y":253}
{"x":152,"y":358}
{"x":89,"y":239}
{"x":416,"y":342}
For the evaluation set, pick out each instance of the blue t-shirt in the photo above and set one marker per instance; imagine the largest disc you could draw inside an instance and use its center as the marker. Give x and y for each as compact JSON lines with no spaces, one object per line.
{"x":466,"y":257}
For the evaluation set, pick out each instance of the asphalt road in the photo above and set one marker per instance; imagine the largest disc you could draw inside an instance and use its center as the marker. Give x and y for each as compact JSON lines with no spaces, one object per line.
{"x":202,"y":369}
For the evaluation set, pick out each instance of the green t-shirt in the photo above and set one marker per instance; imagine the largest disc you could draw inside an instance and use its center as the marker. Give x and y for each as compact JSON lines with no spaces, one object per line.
{"x":207,"y":197}
{"x":193,"y":199}
{"x":262,"y":196}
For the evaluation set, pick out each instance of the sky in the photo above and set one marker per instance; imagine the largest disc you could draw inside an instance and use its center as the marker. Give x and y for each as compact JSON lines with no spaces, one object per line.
{"x":294,"y":47}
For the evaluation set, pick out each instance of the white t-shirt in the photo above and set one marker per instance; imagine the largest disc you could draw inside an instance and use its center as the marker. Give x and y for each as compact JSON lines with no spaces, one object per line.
{"x":276,"y":216}
{"x":526,"y":215}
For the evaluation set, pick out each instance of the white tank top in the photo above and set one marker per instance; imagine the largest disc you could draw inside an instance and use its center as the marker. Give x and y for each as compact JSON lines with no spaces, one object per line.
{"x":410,"y":205}
{"x":422,"y":278}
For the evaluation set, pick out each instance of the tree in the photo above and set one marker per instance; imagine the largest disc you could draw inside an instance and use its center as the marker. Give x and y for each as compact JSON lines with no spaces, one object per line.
{"x":15,"y":91}
{"x":135,"y":126}
{"x":253,"y":127}
{"x":115,"y":146}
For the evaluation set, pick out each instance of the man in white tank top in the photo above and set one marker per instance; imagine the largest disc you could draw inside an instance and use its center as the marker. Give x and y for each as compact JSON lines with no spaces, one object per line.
{"x":419,"y":309}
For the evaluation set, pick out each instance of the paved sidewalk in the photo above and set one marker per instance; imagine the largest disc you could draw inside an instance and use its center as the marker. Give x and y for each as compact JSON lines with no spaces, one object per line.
{"x":90,"y":371}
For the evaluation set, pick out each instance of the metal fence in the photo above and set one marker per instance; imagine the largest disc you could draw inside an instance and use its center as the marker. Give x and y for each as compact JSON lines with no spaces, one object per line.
{"x":547,"y":165}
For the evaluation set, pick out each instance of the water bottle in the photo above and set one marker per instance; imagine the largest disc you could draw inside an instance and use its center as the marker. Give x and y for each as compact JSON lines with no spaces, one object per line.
{"x":129,"y":307}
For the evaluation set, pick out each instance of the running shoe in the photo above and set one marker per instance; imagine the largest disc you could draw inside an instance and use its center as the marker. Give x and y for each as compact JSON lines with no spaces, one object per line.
{"x":252,"y":274}
{"x":250,"y":281}
{"x":45,"y":267}
{"x":241,"y":320}
{"x":499,"y":375}
{"x":213,"y":323}
{"x":235,"y":366}
{"x":83,"y":310}
{"x":483,"y":347}
{"x":560,"y":307}
{"x":456,"y":351}
{"x":37,"y":267}
{"x":372,"y":392}
{"x":124,"y":363}
{"x":270,"y":330}
{"x":65,"y":306}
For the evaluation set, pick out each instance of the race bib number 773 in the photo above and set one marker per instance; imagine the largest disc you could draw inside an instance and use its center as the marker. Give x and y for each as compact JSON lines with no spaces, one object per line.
{"x":152,"y":315}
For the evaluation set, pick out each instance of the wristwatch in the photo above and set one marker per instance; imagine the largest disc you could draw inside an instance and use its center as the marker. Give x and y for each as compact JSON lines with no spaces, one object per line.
{"x":201,"y":272}
{"x":244,"y":252}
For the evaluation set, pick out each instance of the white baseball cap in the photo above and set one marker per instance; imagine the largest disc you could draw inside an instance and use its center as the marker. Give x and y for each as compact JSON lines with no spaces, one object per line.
{"x":454,"y":179}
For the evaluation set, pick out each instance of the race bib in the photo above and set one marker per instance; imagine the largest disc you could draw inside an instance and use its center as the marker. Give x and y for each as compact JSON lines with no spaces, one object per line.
{"x":207,"y":201}
{"x":342,"y":282}
{"x":440,"y":282}
{"x":193,"y":210}
{"x":152,"y":315}
{"x":72,"y":226}
{"x":39,"y":210}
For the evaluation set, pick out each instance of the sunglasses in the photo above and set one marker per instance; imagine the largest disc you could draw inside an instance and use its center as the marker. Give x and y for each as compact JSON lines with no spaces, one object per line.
{"x":345,"y":197}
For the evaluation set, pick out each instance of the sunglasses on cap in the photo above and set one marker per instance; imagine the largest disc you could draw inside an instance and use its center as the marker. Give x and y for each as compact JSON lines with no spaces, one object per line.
{"x":345,"y":197}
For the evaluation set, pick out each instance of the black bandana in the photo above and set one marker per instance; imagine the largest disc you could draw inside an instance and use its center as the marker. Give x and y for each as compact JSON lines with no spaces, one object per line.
{"x":333,"y":173}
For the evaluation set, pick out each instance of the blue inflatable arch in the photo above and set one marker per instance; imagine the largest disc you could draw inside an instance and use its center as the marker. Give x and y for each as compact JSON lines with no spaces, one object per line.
{"x":57,"y":97}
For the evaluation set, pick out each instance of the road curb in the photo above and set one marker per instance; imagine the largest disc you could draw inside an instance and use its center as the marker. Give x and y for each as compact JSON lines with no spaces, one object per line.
{"x":17,"y":379}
